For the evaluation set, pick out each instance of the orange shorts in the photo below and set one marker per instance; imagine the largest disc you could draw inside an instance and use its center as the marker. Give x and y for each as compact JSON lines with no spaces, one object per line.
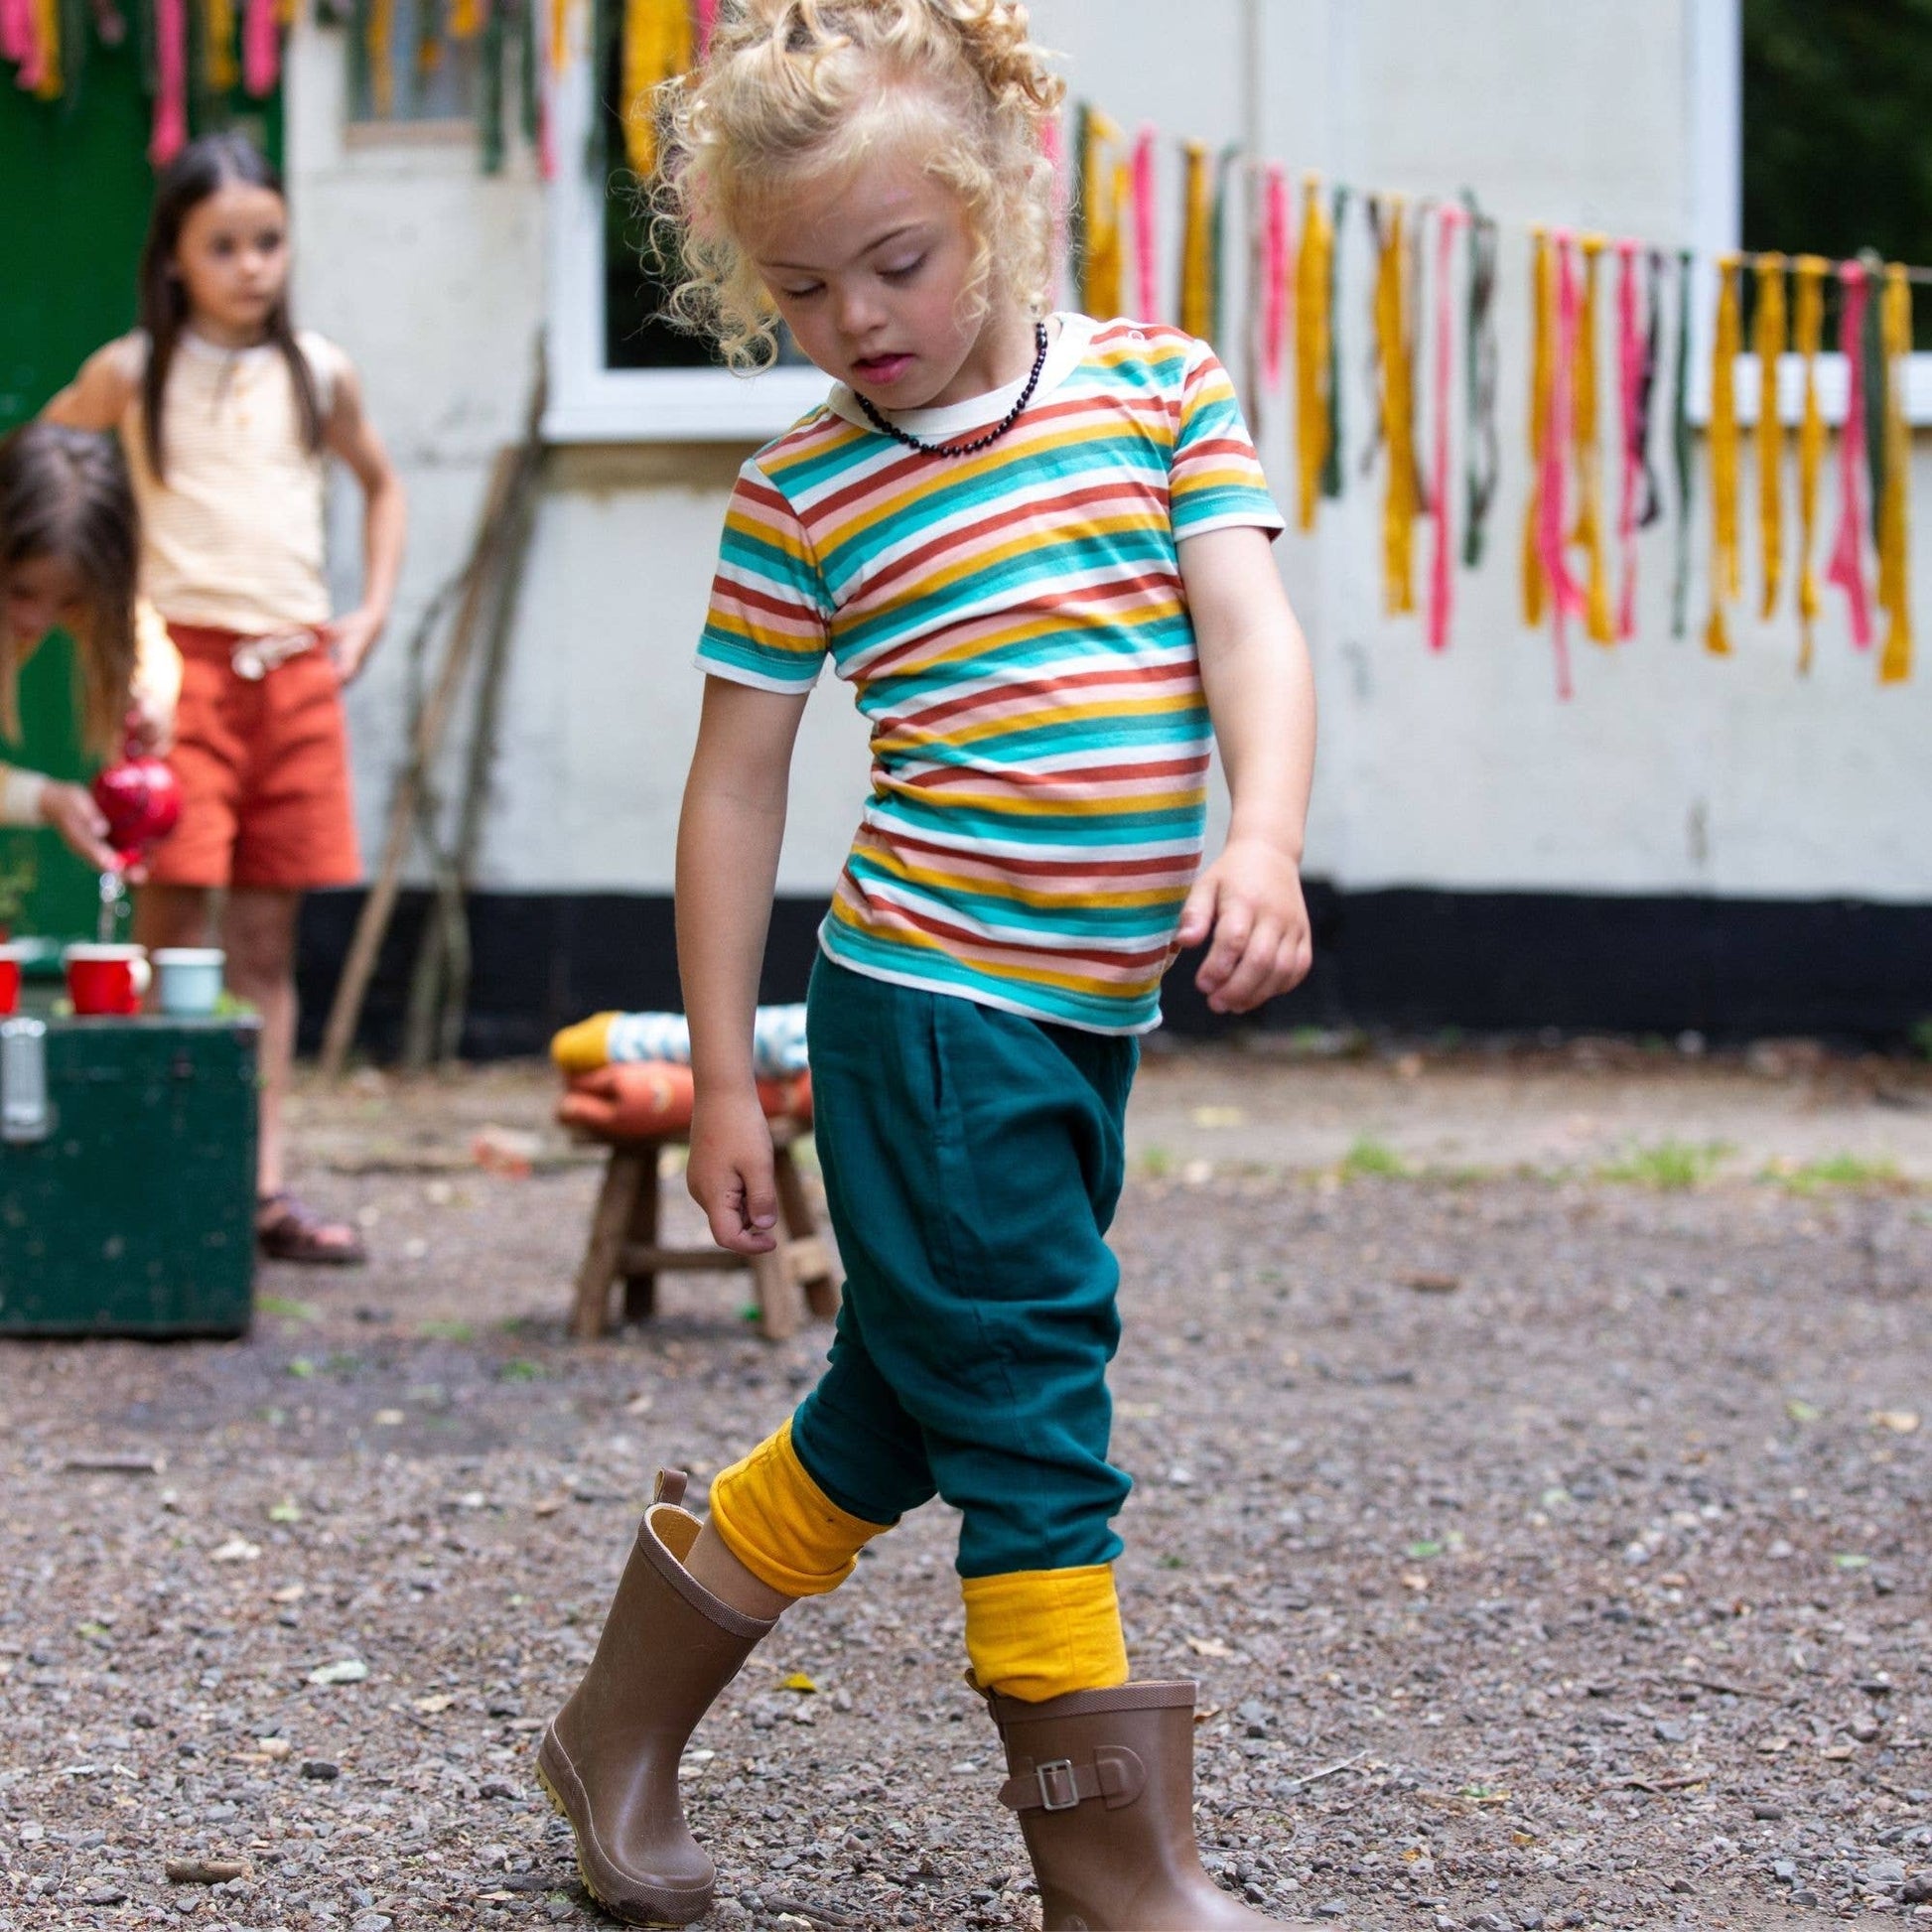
{"x":263,"y":768}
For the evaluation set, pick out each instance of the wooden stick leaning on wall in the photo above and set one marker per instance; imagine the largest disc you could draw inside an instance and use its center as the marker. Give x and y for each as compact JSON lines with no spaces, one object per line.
{"x":513,"y":467}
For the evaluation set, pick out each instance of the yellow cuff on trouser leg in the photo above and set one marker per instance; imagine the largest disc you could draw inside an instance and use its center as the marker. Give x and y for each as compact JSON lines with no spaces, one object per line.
{"x":782,"y":1526}
{"x":1043,"y":1633}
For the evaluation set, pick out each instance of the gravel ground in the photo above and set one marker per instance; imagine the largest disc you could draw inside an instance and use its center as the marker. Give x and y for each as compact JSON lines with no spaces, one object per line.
{"x":1551,"y":1545}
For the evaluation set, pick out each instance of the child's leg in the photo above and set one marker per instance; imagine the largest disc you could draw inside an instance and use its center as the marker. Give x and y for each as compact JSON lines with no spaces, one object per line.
{"x":258,"y":934}
{"x":173,"y":915}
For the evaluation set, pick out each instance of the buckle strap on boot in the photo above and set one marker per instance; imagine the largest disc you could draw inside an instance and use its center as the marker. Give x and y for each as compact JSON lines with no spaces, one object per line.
{"x":1114,"y":1775}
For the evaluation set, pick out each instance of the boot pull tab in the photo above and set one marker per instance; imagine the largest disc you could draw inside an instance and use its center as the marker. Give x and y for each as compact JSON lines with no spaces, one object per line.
{"x":670,"y":1487}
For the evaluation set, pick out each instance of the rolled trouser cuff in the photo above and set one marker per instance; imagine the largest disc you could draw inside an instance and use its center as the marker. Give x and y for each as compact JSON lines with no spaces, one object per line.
{"x":782,"y":1526}
{"x":1034,"y":1634}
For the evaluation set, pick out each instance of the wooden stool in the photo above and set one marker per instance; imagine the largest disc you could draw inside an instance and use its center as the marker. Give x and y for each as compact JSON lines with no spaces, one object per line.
{"x":623,"y":1245}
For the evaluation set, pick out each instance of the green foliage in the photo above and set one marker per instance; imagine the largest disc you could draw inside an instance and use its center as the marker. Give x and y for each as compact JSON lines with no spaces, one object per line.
{"x":1372,"y":1160}
{"x":1838,"y":1171}
{"x":1921,"y":1038}
{"x":1670,"y":1167}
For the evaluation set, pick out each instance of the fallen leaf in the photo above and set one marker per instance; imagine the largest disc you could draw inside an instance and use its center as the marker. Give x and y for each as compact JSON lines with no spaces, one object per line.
{"x":289,"y":1594}
{"x":206,"y":1872}
{"x":351,"y":1670}
{"x":1413,"y":1580}
{"x":288,"y":1510}
{"x":639,"y":1405}
{"x":1851,"y":1560}
{"x":434,"y":1707}
{"x":548,"y":1505}
{"x":1208,"y":1647}
{"x":1801,"y":1410}
{"x":274,"y":1749}
{"x":1901,"y":1422}
{"x":798,"y":1681}
{"x":238,"y":1549}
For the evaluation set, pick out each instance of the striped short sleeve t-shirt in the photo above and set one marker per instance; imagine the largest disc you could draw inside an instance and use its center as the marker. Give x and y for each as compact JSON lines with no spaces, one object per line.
{"x":1015,"y":628}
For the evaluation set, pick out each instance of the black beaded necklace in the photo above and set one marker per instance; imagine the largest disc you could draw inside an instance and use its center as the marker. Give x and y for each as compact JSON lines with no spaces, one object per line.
{"x":978,"y":442}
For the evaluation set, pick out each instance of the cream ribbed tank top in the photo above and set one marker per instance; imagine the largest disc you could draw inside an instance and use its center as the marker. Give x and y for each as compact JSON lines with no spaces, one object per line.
{"x":234,"y":538}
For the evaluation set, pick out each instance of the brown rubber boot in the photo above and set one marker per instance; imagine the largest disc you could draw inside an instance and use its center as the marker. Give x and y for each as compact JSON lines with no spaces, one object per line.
{"x":1104,"y":1785}
{"x":610,"y":1758}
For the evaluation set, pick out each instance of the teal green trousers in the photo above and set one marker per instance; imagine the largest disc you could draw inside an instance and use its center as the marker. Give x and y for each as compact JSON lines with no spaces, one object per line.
{"x":973,"y":1159}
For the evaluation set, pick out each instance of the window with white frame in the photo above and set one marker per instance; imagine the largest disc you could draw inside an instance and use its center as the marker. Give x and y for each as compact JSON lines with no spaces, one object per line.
{"x":619,"y":372}
{"x":1812,"y":134}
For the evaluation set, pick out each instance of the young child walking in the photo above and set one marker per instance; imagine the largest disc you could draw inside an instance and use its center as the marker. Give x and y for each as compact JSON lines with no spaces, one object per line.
{"x":70,"y":544}
{"x":1038,"y":547}
{"x":228,"y":416}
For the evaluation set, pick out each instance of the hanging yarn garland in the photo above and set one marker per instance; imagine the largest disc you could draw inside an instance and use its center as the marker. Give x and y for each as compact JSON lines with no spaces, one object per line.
{"x":1052,"y":151}
{"x":1565,"y":598}
{"x":1653,"y":361}
{"x":466,"y":19}
{"x":1877,"y":377}
{"x":1894,"y":513}
{"x":218,"y":49}
{"x":1808,"y":338}
{"x":1630,"y":375}
{"x":657,"y":46}
{"x":707,"y":26}
{"x":1726,"y":573}
{"x":1600,"y":622}
{"x":1682,"y":450}
{"x":1373,"y":350}
{"x":1543,"y":371}
{"x":489,"y":104}
{"x":1768,"y":346}
{"x":1441,"y":575}
{"x":1481,"y":375}
{"x":1398,"y":408}
{"x":261,"y":47}
{"x":1847,"y":569}
{"x":1147,"y":245}
{"x":1104,"y":179}
{"x":43,"y":76}
{"x":170,"y":133}
{"x":1077,"y":237}
{"x":17,"y":34}
{"x":1196,"y":305}
{"x":1313,"y":366}
{"x":1334,"y":478}
{"x":1220,"y":265}
{"x":1275,"y":270}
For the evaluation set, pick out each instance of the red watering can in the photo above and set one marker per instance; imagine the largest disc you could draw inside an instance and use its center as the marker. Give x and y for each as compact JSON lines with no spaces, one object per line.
{"x":141,"y":800}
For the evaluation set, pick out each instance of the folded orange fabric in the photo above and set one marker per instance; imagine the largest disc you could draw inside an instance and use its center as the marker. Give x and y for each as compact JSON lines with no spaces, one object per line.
{"x":650,"y":1099}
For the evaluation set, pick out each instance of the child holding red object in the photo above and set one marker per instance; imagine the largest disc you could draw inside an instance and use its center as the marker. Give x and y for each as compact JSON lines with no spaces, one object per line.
{"x":1037,"y":545}
{"x":70,"y":545}
{"x":228,"y":416}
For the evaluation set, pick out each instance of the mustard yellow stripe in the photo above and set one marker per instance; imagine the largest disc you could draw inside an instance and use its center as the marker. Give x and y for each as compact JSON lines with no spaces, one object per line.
{"x":1052,"y":624}
{"x":1007,"y":805}
{"x":882,"y":858}
{"x":959,"y":731}
{"x":911,"y":938}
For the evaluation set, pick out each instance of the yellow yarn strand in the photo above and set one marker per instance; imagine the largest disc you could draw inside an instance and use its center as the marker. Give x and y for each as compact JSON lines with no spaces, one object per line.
{"x":378,"y":43}
{"x":1313,"y":267}
{"x":559,"y":34}
{"x":1542,"y":367}
{"x":1768,"y":345}
{"x":657,"y":46}
{"x":222,"y":73}
{"x":1600,"y":619}
{"x":1103,"y":196}
{"x":1726,"y":570}
{"x":1809,"y":338}
{"x":1894,"y":511}
{"x":466,"y":19}
{"x":1398,"y":417}
{"x":1197,"y":245}
{"x":47,"y":27}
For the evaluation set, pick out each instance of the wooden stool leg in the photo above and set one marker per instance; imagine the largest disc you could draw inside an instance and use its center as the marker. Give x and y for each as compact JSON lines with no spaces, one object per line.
{"x":778,"y":1293}
{"x":641,"y":1290}
{"x":615,"y":1204}
{"x":812,"y":1259}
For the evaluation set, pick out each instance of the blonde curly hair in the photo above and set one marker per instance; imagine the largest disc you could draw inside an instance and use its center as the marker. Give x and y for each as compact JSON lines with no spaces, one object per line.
{"x":799,"y":90}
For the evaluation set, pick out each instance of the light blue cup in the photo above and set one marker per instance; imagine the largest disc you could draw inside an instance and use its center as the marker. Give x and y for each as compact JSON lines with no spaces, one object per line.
{"x":188,"y":980}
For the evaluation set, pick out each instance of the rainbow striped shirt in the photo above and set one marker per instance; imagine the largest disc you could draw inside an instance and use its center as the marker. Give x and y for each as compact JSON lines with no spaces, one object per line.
{"x":1015,"y":628}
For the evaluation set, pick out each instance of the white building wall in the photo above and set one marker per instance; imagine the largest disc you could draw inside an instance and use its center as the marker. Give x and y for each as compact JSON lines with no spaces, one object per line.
{"x":1670,"y":771}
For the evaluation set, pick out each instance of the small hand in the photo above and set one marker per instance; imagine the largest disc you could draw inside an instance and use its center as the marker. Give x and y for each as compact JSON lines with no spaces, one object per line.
{"x":150,"y":727}
{"x":729,"y":1173}
{"x":83,"y":826}
{"x":1250,"y":898}
{"x":350,"y":639}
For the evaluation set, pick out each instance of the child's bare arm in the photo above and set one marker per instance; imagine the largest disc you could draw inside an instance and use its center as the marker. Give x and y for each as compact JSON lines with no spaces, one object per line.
{"x":727,"y":840}
{"x":351,"y":435}
{"x":1261,"y":696}
{"x":97,"y":399}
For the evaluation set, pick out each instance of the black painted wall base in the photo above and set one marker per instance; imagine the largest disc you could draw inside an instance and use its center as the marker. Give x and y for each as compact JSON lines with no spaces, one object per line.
{"x":1408,"y":961}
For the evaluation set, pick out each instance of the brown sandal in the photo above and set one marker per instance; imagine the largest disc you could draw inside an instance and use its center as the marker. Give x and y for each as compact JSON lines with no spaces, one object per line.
{"x":286,"y":1229}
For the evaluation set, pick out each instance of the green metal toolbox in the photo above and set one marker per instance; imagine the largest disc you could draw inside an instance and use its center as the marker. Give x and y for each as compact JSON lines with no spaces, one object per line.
{"x":127,"y":1176}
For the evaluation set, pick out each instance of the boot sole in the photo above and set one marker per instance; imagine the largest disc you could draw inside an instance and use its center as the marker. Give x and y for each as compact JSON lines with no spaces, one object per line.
{"x":629,"y":1914}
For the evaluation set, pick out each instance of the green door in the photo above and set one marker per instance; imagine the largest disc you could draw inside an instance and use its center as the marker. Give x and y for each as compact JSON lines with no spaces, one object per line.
{"x":74,"y":185}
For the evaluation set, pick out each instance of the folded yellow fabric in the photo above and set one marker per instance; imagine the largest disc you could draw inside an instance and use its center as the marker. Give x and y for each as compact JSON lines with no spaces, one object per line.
{"x":1043,"y":1633}
{"x":782,"y":1526}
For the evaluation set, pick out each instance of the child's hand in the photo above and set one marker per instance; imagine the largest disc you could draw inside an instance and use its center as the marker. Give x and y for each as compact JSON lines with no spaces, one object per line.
{"x":1250,"y":898}
{"x":350,"y":638}
{"x":729,"y":1173}
{"x":151,"y":725}
{"x":83,"y":826}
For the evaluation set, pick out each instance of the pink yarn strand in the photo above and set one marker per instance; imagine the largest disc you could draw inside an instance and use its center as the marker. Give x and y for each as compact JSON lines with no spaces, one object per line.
{"x":170,"y":82}
{"x":1441,"y":576}
{"x":1848,"y":553}
{"x":1274,"y":250}
{"x":261,"y":48}
{"x":32,"y":55}
{"x":1553,"y":529}
{"x":16,"y":30}
{"x":1146,"y":243}
{"x":1054,"y":152}
{"x":707,"y":25}
{"x":1629,"y":361}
